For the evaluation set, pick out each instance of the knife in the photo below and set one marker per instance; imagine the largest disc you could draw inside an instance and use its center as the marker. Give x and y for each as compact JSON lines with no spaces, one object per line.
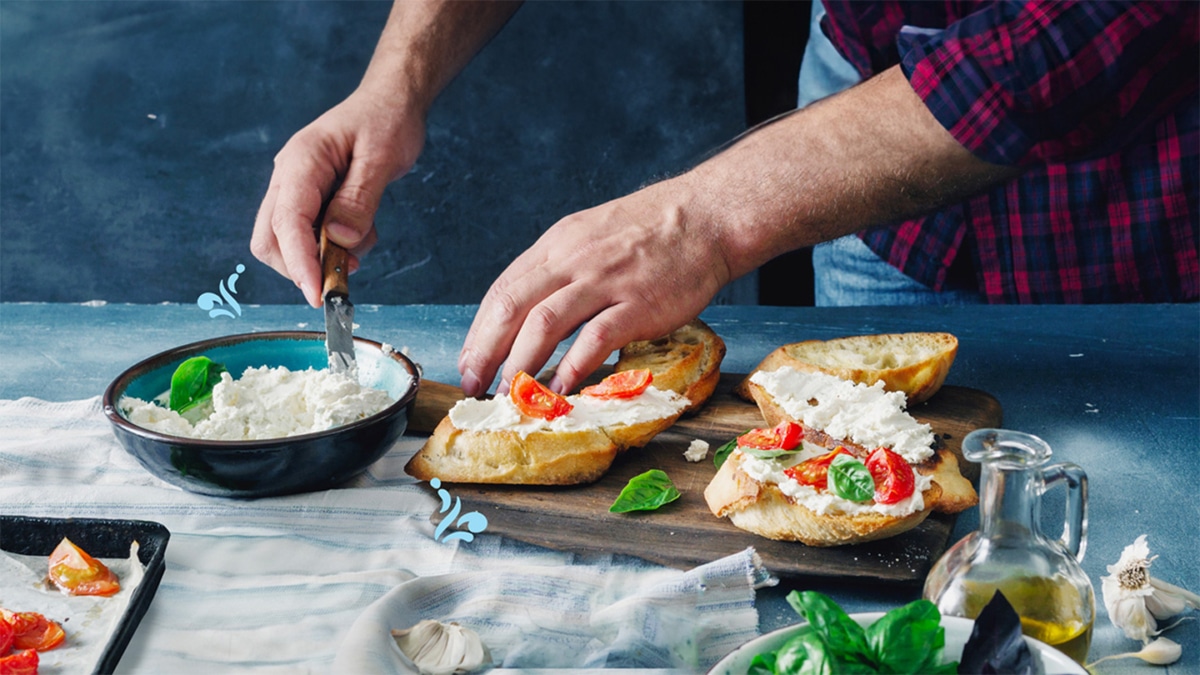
{"x":339,"y":313}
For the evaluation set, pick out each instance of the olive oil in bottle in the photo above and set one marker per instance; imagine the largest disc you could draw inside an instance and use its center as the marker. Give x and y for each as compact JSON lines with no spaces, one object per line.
{"x":1050,"y":608}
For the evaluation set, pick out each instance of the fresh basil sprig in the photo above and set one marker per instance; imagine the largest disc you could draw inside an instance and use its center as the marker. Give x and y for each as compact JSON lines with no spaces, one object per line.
{"x":909,"y":639}
{"x":193,"y":382}
{"x":645,"y":492}
{"x":850,"y":479}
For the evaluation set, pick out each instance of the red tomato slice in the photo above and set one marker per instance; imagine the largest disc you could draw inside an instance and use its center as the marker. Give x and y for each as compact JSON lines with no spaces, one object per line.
{"x":19,"y":663}
{"x":6,"y":635}
{"x":785,"y":436}
{"x":534,"y":399}
{"x":625,"y":384}
{"x":815,"y":471}
{"x":34,"y":631}
{"x":894,"y":478}
{"x":75,"y":572}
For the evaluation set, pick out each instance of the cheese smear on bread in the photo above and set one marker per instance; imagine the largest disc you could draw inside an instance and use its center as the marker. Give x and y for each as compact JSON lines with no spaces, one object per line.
{"x":868,"y":416}
{"x":589,"y":412}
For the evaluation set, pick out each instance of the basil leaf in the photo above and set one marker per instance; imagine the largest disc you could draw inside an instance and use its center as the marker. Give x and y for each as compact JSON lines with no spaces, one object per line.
{"x":805,"y":654}
{"x":645,"y":492}
{"x":845,"y":639}
{"x":724,"y":452}
{"x":996,"y":643}
{"x":193,"y":381}
{"x":909,"y":637}
{"x":850,"y":479}
{"x":762,"y":664}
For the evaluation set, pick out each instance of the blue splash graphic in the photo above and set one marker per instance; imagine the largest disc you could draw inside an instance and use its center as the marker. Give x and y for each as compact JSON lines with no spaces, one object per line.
{"x":210,"y":301}
{"x":474,"y":521}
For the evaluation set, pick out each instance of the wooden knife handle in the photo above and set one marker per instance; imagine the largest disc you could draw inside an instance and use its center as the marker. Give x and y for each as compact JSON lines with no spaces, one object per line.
{"x":335,"y":267}
{"x":434,"y":401}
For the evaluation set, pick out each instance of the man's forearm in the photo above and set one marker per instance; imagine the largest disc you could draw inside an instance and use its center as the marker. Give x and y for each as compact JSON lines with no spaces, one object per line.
{"x":427,"y":42}
{"x":870,"y":155}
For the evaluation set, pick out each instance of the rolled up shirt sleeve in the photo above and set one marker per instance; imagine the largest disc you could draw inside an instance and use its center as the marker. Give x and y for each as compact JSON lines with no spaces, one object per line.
{"x":1023,"y":83}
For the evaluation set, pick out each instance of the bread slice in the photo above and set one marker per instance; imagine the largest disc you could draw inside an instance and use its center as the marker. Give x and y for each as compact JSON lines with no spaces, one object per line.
{"x":914,"y":363}
{"x":511,"y":449}
{"x":687,"y":361}
{"x":762,"y":508}
{"x":956,"y":492}
{"x":835,"y":412}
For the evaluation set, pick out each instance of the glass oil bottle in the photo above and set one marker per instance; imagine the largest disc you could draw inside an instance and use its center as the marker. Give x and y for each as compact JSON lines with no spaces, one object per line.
{"x":1040,"y":577}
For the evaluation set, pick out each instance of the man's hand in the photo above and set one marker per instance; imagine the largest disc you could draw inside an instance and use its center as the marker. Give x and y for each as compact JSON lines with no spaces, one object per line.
{"x":350,"y":154}
{"x":643,"y":265}
{"x":634,"y":268}
{"x":347,"y":156}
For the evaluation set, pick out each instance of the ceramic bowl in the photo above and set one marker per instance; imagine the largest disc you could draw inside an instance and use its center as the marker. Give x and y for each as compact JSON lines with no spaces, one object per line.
{"x":279,"y":466}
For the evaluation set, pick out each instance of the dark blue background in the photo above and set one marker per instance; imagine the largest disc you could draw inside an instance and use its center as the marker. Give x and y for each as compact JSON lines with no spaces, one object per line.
{"x":136,"y":138}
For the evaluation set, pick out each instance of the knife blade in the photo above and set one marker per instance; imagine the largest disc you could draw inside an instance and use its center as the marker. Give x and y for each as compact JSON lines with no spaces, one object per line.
{"x":339,"y":312}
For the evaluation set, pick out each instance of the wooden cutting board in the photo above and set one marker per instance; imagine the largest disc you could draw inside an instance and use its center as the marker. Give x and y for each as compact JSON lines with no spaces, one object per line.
{"x":684,"y":533}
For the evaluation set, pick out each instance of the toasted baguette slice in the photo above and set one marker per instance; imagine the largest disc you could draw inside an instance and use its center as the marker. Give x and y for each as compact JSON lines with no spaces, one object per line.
{"x":914,"y":363}
{"x":956,"y":492}
{"x":763,"y":509}
{"x":687,"y":361}
{"x":568,"y":452}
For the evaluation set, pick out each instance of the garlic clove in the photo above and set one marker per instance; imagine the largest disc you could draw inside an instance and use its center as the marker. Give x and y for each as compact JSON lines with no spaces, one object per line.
{"x":437,"y":648}
{"x":1161,"y":652}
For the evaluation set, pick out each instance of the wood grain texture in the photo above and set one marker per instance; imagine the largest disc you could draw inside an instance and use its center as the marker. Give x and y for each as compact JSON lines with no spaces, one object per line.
{"x":684,"y":533}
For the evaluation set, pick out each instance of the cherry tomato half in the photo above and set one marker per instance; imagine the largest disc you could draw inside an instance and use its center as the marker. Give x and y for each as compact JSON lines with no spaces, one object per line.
{"x":894,"y":478}
{"x":785,"y":436}
{"x":6,"y":636}
{"x":33,"y":631}
{"x":75,"y":572}
{"x":19,"y":663}
{"x":815,"y":471}
{"x":625,"y":384}
{"x":534,"y":399}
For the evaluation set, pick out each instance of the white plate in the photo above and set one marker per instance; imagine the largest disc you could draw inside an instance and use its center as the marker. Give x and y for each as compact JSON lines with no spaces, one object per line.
{"x":958,"y":631}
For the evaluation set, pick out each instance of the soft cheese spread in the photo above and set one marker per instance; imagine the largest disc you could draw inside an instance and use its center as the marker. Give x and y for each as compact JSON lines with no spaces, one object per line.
{"x":866,"y":415}
{"x":589,"y":412}
{"x":267,"y":403}
{"x":822,"y":501}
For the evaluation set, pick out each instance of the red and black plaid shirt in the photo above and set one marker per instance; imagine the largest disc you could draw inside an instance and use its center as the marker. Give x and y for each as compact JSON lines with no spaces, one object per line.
{"x":1098,"y":101}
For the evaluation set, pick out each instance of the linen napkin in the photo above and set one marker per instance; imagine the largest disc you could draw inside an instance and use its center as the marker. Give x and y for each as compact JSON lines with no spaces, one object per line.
{"x":275,"y":585}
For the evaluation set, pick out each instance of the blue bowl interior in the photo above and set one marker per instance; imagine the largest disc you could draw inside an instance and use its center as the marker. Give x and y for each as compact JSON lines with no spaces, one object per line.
{"x":375,"y":369}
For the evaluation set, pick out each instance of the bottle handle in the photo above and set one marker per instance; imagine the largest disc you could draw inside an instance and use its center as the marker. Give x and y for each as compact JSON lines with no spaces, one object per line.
{"x":1074,"y":536}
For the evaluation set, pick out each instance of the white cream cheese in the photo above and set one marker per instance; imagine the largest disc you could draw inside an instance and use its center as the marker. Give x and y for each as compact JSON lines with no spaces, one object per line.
{"x":589,"y":412}
{"x":267,"y":403}
{"x":868,"y":416}
{"x":820,"y":501}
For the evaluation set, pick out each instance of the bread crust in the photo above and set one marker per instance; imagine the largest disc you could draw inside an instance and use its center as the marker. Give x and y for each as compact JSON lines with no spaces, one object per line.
{"x":763,"y":509}
{"x":541,"y":458}
{"x":914,"y":363}
{"x":686,"y":361}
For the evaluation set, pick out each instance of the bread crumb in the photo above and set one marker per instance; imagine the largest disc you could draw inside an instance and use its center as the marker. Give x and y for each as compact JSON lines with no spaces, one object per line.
{"x":697,"y":450}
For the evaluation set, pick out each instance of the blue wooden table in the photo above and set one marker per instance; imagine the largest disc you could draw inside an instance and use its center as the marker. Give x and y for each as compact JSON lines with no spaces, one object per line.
{"x":1115,"y":389}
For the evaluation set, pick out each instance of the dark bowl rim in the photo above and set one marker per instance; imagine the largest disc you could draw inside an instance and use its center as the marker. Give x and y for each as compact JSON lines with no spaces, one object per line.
{"x":115,"y":417}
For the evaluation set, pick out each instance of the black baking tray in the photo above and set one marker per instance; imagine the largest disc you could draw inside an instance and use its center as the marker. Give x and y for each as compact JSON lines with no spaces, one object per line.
{"x":101,"y":538}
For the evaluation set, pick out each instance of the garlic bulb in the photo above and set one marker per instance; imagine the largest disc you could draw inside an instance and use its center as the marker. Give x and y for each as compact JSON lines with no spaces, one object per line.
{"x":437,"y":648}
{"x":1135,"y":601}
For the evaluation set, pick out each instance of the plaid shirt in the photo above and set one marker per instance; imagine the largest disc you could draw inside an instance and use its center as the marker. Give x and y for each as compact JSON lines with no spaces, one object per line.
{"x":1097,"y":101}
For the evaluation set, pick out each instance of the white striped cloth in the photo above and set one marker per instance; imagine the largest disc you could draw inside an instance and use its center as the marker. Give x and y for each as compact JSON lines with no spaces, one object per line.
{"x":274,"y":585}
